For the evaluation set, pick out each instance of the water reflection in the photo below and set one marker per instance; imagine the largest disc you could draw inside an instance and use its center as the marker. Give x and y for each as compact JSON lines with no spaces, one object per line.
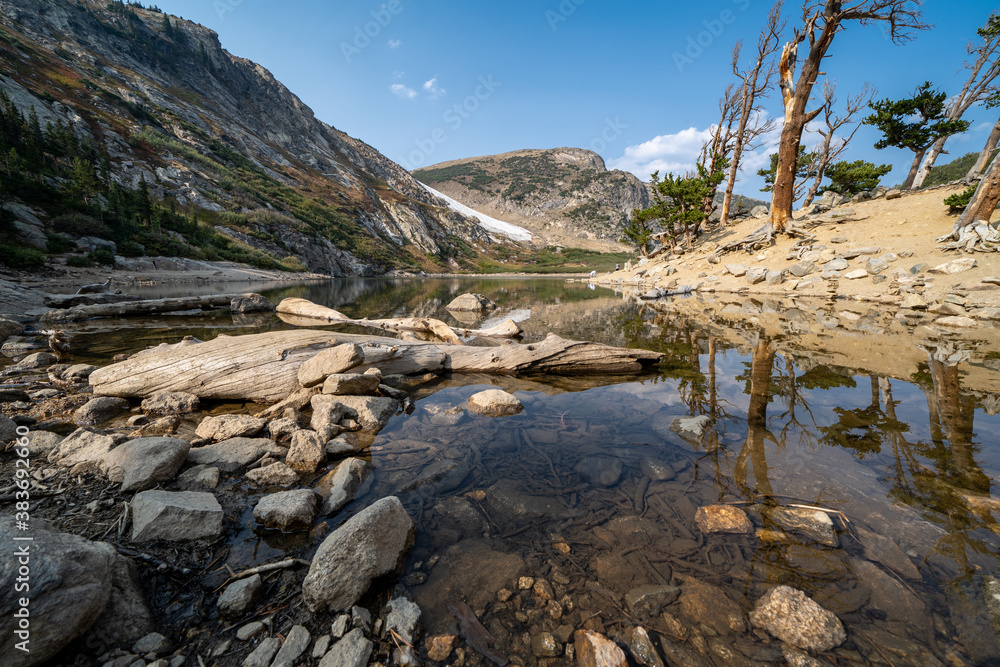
{"x":594,"y":484}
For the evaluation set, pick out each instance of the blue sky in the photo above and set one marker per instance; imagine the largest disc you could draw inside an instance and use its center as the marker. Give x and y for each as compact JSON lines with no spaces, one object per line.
{"x":638,"y":82}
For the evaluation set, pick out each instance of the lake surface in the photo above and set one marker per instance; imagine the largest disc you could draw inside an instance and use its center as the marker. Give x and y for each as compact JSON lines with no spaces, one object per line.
{"x":592,"y":490}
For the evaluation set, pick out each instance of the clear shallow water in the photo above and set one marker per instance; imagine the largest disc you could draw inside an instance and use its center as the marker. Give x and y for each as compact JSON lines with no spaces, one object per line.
{"x":495,"y":499}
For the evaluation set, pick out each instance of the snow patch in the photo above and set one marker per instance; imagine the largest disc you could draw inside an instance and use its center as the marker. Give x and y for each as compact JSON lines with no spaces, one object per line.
{"x":493,"y":225}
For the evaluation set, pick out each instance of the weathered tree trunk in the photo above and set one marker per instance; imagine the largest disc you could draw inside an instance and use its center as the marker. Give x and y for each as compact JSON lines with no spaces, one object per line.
{"x":264,"y":367}
{"x":986,"y":153}
{"x":925,"y":169}
{"x":753,"y":450}
{"x":908,"y":183}
{"x":302,"y":308}
{"x":147,"y":307}
{"x":973,"y":230}
{"x":956,"y":413}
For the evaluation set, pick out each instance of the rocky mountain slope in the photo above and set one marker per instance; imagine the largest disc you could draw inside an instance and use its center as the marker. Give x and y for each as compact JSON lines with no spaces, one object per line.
{"x":215,"y":138}
{"x":565,"y":195}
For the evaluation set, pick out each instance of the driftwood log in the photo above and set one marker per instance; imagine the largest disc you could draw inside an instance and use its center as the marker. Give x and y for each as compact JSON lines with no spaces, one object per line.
{"x":264,"y":367}
{"x":302,"y":308}
{"x":144,"y":307}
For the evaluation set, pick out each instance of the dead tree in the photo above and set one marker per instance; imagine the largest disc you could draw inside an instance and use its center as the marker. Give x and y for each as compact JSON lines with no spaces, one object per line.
{"x":984,"y":69}
{"x":986,"y":155}
{"x":828,"y":151}
{"x":757,"y":80}
{"x":715,"y":152}
{"x":821,"y":21}
{"x":972,"y":231}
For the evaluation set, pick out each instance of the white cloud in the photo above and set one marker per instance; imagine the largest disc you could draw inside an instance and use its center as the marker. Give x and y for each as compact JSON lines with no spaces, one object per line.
{"x":401,"y":91}
{"x":398,"y":74}
{"x":394,"y":43}
{"x":434,"y":91}
{"x":676,"y":153}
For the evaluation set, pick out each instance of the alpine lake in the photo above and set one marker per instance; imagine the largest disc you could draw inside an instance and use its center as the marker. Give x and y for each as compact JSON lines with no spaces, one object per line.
{"x":867,"y":463}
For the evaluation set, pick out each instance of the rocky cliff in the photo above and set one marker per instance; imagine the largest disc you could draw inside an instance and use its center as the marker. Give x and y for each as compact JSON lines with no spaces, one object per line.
{"x":565,"y":195}
{"x":217,"y":136}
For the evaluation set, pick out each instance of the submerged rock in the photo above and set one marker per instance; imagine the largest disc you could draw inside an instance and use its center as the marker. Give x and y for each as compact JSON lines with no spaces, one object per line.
{"x":791,"y":616}
{"x":649,"y":600}
{"x":371,"y":544}
{"x":814,"y":524}
{"x":709,"y":605}
{"x":495,"y":403}
{"x":338,"y":487}
{"x":723,"y":519}
{"x":600,"y":470}
{"x":595,"y":650}
{"x":692,"y":429}
{"x":641,"y":647}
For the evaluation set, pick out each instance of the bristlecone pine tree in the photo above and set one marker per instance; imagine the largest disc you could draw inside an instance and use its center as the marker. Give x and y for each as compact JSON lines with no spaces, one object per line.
{"x":822,"y":20}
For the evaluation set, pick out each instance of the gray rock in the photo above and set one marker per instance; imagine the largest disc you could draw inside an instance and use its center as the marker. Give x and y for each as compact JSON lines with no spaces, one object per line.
{"x":35,"y":360}
{"x":876,"y":266}
{"x":373,"y":412}
{"x":760,"y":212}
{"x":450,"y":417}
{"x":8,"y":429}
{"x":277,"y":474}
{"x":600,"y":471}
{"x":913,"y":301}
{"x":250,"y":303}
{"x":198,"y":477}
{"x":343,"y":444}
{"x":350,"y":384}
{"x":264,"y":653}
{"x":791,"y":616}
{"x":857,"y":252}
{"x":919,"y":268}
{"x":648,"y":601}
{"x":295,"y":645}
{"x":328,"y":411}
{"x":692,"y":429}
{"x":153,"y":642}
{"x":70,"y":586}
{"x":143,"y":463}
{"x":361,"y":618}
{"x":171,"y":403}
{"x":14,"y":396}
{"x":307,"y":451}
{"x":738,"y":270}
{"x":814,"y":524}
{"x":321,"y":646}
{"x":282,"y":429}
{"x":40,"y":443}
{"x":339,"y":486}
{"x":856,"y":274}
{"x":9,"y":328}
{"x":836,"y":265}
{"x":99,"y":410}
{"x":250,"y":630}
{"x":238,"y":596}
{"x":351,"y":651}
{"x":471,"y":303}
{"x":893,"y":194}
{"x":403,"y":616}
{"x":226,"y":427}
{"x":955,"y":266}
{"x":333,"y":360}
{"x":802,"y":269}
{"x":495,"y":403}
{"x":774,"y":277}
{"x":370,"y":544}
{"x":756,"y":274}
{"x":234,"y":454}
{"x":78,"y":373}
{"x":287,"y":511}
{"x":839,"y":239}
{"x":340,"y":626}
{"x":175,"y":516}
{"x":641,"y":647}
{"x":80,"y":446}
{"x":127,"y":617}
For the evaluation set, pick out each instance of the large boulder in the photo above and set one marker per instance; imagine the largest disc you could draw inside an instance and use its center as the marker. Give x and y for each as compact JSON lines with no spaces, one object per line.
{"x":71,"y":583}
{"x":471,"y":303}
{"x":127,"y":616}
{"x":250,"y":303}
{"x":175,"y":516}
{"x":371,"y":544}
{"x":331,"y":361}
{"x":791,"y":616}
{"x":143,"y":463}
{"x":225,"y":427}
{"x":81,"y":446}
